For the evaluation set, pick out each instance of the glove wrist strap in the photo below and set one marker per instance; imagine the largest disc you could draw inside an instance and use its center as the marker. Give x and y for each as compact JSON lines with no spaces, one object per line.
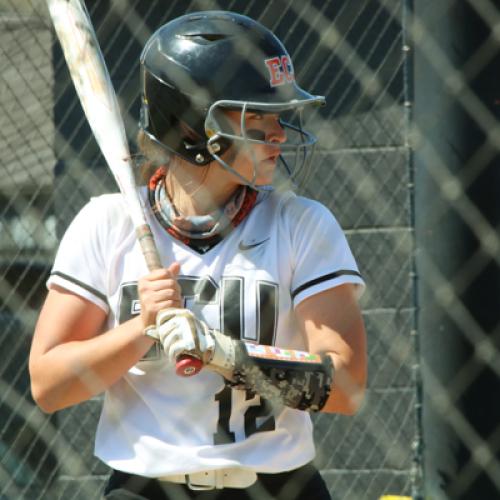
{"x":224,"y":353}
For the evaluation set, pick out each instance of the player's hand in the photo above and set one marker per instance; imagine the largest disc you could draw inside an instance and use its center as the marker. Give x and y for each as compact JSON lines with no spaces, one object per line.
{"x":159,"y":290}
{"x":180,"y":332}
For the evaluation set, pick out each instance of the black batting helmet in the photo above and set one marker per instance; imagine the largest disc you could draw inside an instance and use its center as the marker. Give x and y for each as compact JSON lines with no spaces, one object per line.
{"x":199,"y":64}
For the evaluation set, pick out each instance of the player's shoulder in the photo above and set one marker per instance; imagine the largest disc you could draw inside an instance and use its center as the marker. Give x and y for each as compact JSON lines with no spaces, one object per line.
{"x":107,"y":206}
{"x":109,"y":201}
{"x":105,"y":213}
{"x":294,"y":206}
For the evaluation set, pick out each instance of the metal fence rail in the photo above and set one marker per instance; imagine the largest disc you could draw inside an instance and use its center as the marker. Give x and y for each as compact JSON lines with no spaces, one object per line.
{"x":407,"y":145}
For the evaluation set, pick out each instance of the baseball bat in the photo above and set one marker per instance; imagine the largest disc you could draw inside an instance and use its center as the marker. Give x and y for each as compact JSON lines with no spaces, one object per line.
{"x":99,"y":102}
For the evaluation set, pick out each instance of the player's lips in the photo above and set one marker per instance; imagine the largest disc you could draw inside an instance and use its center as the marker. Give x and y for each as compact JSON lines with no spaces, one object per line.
{"x":271,"y":158}
{"x":269,"y":162}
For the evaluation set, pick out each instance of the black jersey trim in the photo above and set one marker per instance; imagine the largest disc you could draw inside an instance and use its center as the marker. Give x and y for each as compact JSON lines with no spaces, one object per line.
{"x":326,"y":277}
{"x":93,"y":291}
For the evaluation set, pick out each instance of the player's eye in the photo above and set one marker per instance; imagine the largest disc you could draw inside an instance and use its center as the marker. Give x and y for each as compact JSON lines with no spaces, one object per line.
{"x":255,"y":116}
{"x":255,"y":134}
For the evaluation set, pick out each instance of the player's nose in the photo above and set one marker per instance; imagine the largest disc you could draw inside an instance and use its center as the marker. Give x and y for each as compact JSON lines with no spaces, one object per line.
{"x":276,"y":132}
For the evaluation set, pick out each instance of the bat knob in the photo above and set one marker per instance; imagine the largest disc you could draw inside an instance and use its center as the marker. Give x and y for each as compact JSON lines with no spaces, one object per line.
{"x":187,"y":366}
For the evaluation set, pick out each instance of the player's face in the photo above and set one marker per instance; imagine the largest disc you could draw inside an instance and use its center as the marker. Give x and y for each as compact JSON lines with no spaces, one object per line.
{"x":260,"y":159}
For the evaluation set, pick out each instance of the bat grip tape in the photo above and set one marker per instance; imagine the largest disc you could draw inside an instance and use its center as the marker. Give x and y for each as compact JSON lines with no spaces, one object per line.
{"x":148,"y":247}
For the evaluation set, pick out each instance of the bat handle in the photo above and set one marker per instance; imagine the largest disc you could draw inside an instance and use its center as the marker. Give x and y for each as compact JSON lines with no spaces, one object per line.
{"x":186,"y":366}
{"x":148,"y":247}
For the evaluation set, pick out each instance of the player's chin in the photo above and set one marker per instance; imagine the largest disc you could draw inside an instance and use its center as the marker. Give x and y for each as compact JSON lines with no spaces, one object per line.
{"x":267,"y":167}
{"x":265,"y":176}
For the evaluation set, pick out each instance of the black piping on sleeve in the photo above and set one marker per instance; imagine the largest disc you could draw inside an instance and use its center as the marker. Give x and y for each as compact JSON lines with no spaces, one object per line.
{"x":326,"y":277}
{"x":93,"y":291}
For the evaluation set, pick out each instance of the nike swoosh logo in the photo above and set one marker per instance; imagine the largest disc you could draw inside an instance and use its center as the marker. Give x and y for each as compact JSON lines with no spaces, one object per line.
{"x":242,"y":246}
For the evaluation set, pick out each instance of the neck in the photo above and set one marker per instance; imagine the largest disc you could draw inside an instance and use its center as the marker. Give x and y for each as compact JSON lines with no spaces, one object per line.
{"x":194,"y":191}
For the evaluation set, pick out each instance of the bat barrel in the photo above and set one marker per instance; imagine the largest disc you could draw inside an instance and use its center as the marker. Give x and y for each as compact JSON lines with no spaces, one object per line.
{"x":94,"y":87}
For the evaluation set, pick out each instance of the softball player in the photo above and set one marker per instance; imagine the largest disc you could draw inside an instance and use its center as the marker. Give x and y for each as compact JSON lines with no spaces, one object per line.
{"x":259,"y":284}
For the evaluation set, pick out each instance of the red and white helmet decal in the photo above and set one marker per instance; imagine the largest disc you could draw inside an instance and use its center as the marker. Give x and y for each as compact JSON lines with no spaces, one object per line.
{"x":280,"y":70}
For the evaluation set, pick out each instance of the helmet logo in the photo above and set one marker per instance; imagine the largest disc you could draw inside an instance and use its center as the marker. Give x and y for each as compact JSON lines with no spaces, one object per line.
{"x":280,"y":70}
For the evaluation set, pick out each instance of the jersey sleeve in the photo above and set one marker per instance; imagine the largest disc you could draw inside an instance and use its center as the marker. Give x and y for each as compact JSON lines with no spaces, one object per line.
{"x":80,"y":265}
{"x":321,"y":255}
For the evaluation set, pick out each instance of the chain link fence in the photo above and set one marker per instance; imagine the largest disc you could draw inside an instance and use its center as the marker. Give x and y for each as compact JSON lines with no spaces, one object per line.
{"x":407,"y":147}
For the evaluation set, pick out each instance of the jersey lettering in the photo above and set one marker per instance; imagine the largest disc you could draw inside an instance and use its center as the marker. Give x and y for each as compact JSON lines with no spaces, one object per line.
{"x":224,"y":434}
{"x":232,"y":318}
{"x":202,"y":290}
{"x":259,"y":408}
{"x":267,"y":312}
{"x":205,"y":291}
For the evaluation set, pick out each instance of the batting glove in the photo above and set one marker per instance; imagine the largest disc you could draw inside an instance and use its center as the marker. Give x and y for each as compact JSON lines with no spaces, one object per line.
{"x":179,"y":332}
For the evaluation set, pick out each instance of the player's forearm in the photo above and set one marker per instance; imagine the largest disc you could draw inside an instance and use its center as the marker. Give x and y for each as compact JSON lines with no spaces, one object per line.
{"x":348,"y":387}
{"x":76,"y":371}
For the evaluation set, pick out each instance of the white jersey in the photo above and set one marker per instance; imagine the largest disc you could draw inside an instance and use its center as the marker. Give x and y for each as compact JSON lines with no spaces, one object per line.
{"x":154,"y":423}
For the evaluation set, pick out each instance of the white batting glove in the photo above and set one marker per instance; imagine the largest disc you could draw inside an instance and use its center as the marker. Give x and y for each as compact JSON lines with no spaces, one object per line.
{"x":180,"y":332}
